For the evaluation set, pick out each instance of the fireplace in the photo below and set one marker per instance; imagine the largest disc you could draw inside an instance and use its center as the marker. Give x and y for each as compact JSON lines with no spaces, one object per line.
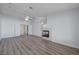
{"x":45,"y":33}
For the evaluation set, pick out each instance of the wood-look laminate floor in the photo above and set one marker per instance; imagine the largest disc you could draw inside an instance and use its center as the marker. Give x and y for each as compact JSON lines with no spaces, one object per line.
{"x":31,"y":45}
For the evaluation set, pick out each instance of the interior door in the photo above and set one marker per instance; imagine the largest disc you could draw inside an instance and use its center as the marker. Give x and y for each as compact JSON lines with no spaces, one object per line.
{"x":23,"y":29}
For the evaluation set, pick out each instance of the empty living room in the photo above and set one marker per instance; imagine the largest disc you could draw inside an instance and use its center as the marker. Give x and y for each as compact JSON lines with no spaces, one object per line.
{"x":39,"y":28}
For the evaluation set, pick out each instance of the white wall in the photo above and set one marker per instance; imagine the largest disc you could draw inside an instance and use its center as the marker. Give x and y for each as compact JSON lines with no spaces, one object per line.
{"x":10,"y":26}
{"x":65,"y":27}
{"x":36,"y":26}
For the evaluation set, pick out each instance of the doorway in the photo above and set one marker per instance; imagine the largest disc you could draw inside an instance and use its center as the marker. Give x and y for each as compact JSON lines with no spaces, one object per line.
{"x":23,"y":29}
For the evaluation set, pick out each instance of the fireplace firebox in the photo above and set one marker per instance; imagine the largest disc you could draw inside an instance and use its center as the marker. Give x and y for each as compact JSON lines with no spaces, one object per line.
{"x":45,"y":33}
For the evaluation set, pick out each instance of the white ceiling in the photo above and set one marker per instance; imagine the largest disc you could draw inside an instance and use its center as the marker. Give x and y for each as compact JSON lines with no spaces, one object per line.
{"x":39,"y":9}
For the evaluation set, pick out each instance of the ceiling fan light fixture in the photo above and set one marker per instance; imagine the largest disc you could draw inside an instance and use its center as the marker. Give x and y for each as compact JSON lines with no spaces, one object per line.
{"x":26,"y":19}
